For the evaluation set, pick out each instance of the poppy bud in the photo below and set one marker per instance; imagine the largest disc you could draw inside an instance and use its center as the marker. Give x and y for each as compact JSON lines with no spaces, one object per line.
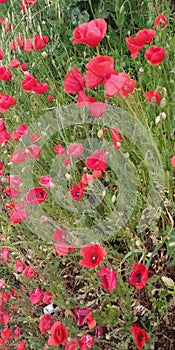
{"x":163,"y":102}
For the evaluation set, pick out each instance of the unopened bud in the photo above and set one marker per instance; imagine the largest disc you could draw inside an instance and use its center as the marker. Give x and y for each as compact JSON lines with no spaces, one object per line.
{"x":44,"y":54}
{"x":113,"y":199}
{"x":68,"y":176}
{"x":153,"y":100}
{"x":104,"y":193}
{"x":100,"y":133}
{"x":163,"y":115}
{"x":121,"y":9}
{"x":157,"y":120}
{"x":141,"y":69}
{"x":164,"y":91}
{"x":163,"y":102}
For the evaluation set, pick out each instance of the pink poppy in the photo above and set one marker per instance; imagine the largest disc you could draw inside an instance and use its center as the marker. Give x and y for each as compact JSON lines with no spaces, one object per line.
{"x":18,"y":214}
{"x":90,"y":33}
{"x":35,"y":196}
{"x":97,"y":161}
{"x":155,"y":54}
{"x":75,"y":150}
{"x":58,"y":334}
{"x":99,"y":69}
{"x":36,"y":296}
{"x":74,"y":81}
{"x":46,"y":322}
{"x":108,"y":278}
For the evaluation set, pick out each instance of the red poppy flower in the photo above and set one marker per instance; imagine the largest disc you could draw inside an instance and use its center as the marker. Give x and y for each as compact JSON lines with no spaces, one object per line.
{"x":6,"y":101}
{"x":17,"y":43}
{"x":77,"y":192}
{"x":36,"y":296}
{"x":74,"y":81}
{"x":46,"y":322}
{"x":28,"y":45}
{"x":93,"y":255}
{"x":86,"y":342}
{"x":128,"y":85}
{"x":12,"y":192}
{"x":75,"y":150}
{"x":67,"y":162}
{"x":47,"y":297}
{"x":145,"y":36}
{"x":160,"y":21}
{"x":46,"y":181}
{"x":32,"y":151}
{"x":58,"y":334}
{"x":97,"y":161}
{"x":21,"y":131}
{"x":59,"y":235}
{"x":1,"y":169}
{"x":90,"y":33}
{"x":18,"y":157}
{"x":35,"y":196}
{"x":108,"y":278}
{"x":23,"y":66}
{"x":5,"y":74}
{"x":4,"y":136}
{"x":4,"y":316}
{"x":86,"y":178}
{"x":116,"y":137}
{"x":59,"y":149}
{"x":6,"y":334}
{"x":35,"y":137}
{"x":63,"y":248}
{"x":173,"y":161}
{"x":19,"y":265}
{"x":114,"y":84}
{"x":71,"y":345}
{"x":5,"y":24}
{"x":40,"y":88}
{"x":83,"y":100}
{"x":84,"y":315}
{"x":14,"y":63}
{"x":14,"y":180}
{"x":138,"y":276}
{"x":29,"y":82}
{"x":30,"y":272}
{"x":99,"y":69}
{"x":39,"y":42}
{"x":18,"y":214}
{"x":155,"y":54}
{"x":1,"y":54}
{"x":21,"y":345}
{"x":97,"y":108}
{"x":140,"y":336}
{"x":134,"y":46}
{"x":153,"y":96}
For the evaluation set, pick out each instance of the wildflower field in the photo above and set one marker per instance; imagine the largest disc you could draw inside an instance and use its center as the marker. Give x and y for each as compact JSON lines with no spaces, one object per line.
{"x":87,"y":175}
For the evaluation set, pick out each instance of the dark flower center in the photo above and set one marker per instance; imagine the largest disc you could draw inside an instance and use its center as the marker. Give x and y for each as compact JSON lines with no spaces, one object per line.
{"x":138,"y":277}
{"x":140,"y":337}
{"x":94,"y":258}
{"x":77,"y":194}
